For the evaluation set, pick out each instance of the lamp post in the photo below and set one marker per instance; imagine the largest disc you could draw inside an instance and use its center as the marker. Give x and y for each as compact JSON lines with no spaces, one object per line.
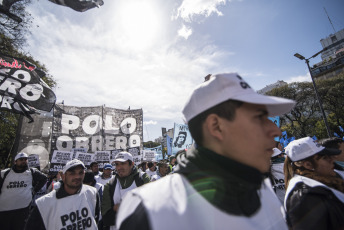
{"x":299,"y":56}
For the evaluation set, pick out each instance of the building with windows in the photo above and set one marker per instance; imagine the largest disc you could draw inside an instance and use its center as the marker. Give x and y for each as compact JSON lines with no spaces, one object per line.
{"x":332,"y":57}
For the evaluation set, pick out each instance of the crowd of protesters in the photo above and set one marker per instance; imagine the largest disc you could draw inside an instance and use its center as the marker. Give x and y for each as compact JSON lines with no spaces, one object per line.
{"x":235,"y":176}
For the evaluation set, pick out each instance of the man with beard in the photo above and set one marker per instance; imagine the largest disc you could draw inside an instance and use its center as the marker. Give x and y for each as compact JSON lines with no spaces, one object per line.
{"x":17,"y":188}
{"x":180,"y":139}
{"x":127,"y":178}
{"x":72,"y":206}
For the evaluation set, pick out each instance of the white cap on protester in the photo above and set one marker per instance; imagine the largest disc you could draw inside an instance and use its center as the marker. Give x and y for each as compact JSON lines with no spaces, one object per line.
{"x":21,"y":155}
{"x":305,"y":147}
{"x":71,"y":164}
{"x":123,"y":156}
{"x":276,"y":152}
{"x":222,"y":87}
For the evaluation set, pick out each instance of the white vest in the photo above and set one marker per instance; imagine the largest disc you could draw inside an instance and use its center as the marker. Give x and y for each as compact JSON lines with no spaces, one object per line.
{"x":102,"y":181}
{"x":120,"y":192}
{"x":174,"y":198}
{"x":71,"y":212}
{"x":312,"y":183}
{"x":16,"y":191}
{"x":278,"y":176}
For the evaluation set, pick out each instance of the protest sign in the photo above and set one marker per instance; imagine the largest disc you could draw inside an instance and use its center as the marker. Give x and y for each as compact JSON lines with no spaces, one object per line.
{"x":86,"y":158}
{"x":148,"y":155}
{"x":181,"y":138}
{"x":33,"y":161}
{"x":59,"y":159}
{"x":102,"y":157}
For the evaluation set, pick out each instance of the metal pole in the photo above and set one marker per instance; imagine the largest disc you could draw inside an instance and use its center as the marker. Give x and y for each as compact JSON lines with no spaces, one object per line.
{"x":318,"y":98}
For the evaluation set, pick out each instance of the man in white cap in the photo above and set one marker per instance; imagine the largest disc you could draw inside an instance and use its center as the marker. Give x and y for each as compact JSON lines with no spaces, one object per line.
{"x":127,"y":178}
{"x":219,"y":183}
{"x":18,"y":185}
{"x":72,"y":206}
{"x":106,"y":175}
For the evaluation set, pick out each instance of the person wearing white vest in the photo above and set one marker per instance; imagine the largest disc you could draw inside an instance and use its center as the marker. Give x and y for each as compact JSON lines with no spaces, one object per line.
{"x":127,"y":178}
{"x":106,"y":175}
{"x":162,"y":171}
{"x":72,"y":206}
{"x":314,"y":198}
{"x":277,"y":174}
{"x":18,"y":185}
{"x":219,"y":183}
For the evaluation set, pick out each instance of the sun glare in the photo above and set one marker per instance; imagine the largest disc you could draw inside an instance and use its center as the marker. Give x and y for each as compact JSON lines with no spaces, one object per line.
{"x":140,"y":24}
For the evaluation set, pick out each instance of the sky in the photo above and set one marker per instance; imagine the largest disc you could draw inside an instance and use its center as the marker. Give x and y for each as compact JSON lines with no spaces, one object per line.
{"x":151,"y":54}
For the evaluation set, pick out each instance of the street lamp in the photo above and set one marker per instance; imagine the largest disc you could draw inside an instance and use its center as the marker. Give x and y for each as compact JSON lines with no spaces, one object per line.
{"x":299,"y":56}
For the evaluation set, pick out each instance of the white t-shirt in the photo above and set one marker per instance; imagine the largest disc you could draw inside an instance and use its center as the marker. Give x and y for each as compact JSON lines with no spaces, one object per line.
{"x":150,"y":173}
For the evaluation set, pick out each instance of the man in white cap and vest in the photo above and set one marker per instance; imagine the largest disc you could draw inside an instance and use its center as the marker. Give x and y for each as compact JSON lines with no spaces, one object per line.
{"x":72,"y":206}
{"x":18,"y":185}
{"x":127,"y":178}
{"x":219,"y":183}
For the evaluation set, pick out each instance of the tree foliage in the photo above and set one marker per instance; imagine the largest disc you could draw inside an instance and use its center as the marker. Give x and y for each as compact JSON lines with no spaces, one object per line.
{"x":306,"y":118}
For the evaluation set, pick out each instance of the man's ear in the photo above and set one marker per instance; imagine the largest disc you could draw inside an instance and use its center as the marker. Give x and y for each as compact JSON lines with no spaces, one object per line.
{"x":213,"y":126}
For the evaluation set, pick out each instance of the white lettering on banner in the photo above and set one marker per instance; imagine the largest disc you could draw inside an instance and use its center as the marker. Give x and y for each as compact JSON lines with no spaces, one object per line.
{"x":109,"y":128}
{"x":82,"y":142}
{"x":64,"y":143}
{"x":31,"y":92}
{"x":97,"y":143}
{"x":92,"y":124}
{"x":109,"y":142}
{"x":69,"y":122}
{"x":121,"y":142}
{"x":8,"y":102}
{"x":128,"y":125}
{"x":22,"y":75}
{"x":10,"y":85}
{"x":134,"y":141}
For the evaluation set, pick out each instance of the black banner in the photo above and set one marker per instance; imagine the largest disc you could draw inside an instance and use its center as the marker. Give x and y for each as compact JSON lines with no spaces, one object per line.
{"x":79,"y":5}
{"x":21,"y":81}
{"x":96,"y":128}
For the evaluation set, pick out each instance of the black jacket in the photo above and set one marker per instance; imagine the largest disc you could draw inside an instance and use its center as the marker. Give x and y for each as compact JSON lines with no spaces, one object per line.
{"x":314,"y":208}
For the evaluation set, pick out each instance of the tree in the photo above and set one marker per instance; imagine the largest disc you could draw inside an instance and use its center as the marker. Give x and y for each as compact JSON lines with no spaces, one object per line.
{"x":306,"y":118}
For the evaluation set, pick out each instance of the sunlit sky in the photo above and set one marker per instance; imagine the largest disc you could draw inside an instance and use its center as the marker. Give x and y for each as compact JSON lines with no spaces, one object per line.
{"x":150,"y":54}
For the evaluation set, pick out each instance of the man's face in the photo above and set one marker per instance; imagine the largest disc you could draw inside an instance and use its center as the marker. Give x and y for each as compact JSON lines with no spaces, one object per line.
{"x":95,"y":168}
{"x":73,"y":178}
{"x":181,"y":139}
{"x":249,"y":138}
{"x":107,"y":173}
{"x":173,"y":161}
{"x":123,"y":168}
{"x":340,"y":157}
{"x":163,"y":170}
{"x":21,"y":163}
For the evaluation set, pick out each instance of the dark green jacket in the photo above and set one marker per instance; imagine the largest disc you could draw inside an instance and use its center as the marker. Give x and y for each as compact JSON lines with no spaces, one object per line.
{"x":109,"y":215}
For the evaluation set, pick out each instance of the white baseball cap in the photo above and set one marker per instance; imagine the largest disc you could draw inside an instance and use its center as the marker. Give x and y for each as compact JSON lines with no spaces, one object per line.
{"x":222,"y":87}
{"x":71,"y":164}
{"x":123,"y":156}
{"x":305,"y":147}
{"x":20,"y":155}
{"x":276,"y":152}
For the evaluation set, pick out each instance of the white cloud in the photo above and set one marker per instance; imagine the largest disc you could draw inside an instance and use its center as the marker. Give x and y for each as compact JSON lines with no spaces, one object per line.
{"x":191,"y":8}
{"x":300,"y":78}
{"x":150,"y":122}
{"x":96,"y":61}
{"x":185,"y":31}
